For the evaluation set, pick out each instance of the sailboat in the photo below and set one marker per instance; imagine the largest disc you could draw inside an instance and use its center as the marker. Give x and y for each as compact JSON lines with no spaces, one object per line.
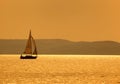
{"x":30,"y":50}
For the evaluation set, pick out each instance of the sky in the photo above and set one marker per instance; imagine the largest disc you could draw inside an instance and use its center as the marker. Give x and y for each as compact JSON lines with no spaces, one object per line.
{"x":75,"y":20}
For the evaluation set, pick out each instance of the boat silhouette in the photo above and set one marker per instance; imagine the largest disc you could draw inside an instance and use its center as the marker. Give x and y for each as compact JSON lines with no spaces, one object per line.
{"x":30,"y":50}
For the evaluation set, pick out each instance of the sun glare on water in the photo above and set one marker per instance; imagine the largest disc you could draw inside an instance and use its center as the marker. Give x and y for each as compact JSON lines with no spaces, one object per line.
{"x":60,"y":69}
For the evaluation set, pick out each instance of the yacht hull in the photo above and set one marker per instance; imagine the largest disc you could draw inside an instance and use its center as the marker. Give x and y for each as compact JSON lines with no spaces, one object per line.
{"x":28,"y":57}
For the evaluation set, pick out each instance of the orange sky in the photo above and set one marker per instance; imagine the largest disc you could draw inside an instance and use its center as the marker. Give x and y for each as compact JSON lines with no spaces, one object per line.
{"x":76,"y":20}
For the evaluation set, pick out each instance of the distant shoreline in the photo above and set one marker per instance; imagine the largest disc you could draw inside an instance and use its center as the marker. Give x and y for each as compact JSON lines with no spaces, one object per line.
{"x":61,"y":47}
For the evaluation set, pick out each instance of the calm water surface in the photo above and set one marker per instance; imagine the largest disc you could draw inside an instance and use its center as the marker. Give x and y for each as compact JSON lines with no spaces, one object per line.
{"x":60,"y":69}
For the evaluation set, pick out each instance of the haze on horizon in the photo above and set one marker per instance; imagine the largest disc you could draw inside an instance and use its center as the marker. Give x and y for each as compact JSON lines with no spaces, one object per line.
{"x":76,"y":20}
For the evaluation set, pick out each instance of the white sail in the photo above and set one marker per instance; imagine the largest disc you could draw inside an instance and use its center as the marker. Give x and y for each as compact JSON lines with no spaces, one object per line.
{"x":28,"y":49}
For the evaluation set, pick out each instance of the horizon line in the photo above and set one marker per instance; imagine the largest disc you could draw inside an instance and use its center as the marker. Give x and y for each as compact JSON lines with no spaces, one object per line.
{"x":64,"y":39}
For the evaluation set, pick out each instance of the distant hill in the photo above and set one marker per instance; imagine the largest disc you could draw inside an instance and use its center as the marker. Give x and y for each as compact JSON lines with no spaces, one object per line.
{"x":59,"y":46}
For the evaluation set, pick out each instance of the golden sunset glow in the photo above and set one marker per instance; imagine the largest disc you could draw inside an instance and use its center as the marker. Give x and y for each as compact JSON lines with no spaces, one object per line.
{"x":76,"y":20}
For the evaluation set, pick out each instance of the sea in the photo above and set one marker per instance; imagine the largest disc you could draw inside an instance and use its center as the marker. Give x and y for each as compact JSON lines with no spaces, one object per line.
{"x":60,"y":69}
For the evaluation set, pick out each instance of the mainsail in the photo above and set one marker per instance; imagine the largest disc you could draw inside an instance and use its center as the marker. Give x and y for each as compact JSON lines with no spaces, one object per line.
{"x":29,"y":46}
